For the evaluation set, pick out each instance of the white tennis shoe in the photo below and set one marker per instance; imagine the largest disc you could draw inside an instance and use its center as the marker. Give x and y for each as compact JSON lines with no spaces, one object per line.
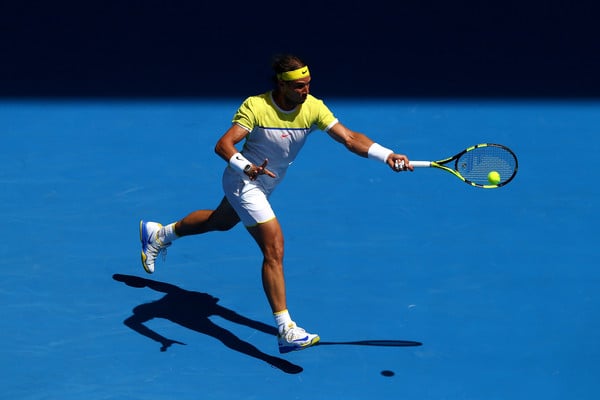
{"x":294,"y":338}
{"x":152,"y":246}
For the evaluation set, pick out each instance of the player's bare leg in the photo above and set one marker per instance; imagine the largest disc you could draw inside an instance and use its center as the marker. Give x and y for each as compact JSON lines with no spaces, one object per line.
{"x":269,"y":238}
{"x":156,"y":238}
{"x":222,"y":218}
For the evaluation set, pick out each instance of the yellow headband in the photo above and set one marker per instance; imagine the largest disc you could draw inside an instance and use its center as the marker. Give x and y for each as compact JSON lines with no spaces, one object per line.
{"x":295,"y":74}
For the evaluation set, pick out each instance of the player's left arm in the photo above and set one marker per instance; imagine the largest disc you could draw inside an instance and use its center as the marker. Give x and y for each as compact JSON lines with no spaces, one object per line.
{"x":361,"y":144}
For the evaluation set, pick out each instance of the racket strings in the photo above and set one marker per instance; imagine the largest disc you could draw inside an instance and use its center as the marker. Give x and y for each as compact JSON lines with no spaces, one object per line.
{"x":476,"y":164}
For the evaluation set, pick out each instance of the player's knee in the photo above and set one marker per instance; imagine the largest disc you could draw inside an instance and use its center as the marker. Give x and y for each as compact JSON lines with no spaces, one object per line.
{"x":221,"y":227}
{"x":225,"y":225}
{"x":273,"y":252}
{"x":229,"y":225}
{"x":221,"y":222}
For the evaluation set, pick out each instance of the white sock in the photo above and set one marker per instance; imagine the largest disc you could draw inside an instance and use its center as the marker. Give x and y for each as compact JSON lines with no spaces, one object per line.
{"x":283,"y":320}
{"x":167,"y":233}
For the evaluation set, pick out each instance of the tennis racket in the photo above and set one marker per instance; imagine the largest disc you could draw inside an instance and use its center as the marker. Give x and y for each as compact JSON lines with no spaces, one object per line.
{"x":474,"y":164}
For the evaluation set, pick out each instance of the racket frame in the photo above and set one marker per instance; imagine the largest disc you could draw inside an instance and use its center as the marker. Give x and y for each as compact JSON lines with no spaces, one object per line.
{"x":441,"y":164}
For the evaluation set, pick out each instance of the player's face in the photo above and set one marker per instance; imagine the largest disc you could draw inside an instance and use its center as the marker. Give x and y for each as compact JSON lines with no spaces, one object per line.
{"x":296,"y":91}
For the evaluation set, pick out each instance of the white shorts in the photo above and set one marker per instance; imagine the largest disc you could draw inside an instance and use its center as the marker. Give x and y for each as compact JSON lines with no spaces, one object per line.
{"x":248,"y":198}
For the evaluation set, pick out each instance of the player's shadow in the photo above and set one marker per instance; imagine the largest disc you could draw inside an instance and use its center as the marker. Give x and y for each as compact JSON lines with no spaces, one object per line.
{"x":193,"y":310}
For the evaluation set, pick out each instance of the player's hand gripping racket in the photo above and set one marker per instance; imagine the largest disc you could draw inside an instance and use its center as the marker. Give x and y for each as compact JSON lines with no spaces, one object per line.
{"x":485,"y":165}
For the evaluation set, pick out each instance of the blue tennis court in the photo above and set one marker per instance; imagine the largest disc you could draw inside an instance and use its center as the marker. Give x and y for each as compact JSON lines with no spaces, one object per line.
{"x":457,"y":292}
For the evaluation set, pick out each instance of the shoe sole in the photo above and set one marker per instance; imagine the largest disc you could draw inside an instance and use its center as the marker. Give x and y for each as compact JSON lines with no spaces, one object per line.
{"x":289,"y":349}
{"x":143,"y":254}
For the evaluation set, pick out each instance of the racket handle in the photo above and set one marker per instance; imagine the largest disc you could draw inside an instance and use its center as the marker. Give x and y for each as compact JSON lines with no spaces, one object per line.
{"x":420,"y":164}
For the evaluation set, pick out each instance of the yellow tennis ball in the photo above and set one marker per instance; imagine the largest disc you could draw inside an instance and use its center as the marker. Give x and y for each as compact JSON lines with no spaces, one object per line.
{"x":494,"y":178}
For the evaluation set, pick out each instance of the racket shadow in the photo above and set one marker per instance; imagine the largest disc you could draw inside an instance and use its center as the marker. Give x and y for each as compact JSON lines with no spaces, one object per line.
{"x":192,"y":310}
{"x":380,"y":343}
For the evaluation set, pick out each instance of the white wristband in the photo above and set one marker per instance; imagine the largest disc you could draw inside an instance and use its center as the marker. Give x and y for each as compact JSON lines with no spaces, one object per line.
{"x":378,"y":152}
{"x":239,"y":163}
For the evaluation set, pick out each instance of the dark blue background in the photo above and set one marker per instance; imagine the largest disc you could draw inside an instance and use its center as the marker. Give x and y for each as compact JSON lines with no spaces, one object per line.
{"x":355,"y":48}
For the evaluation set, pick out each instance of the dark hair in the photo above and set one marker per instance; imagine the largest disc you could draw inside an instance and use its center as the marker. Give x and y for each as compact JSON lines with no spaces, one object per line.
{"x":285,"y":62}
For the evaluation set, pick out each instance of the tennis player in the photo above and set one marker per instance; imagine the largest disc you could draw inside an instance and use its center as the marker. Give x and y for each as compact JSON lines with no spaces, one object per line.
{"x":274,"y":126}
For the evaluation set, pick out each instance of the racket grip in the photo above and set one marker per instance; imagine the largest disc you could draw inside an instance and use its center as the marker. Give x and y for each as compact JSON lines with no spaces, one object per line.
{"x":420,"y":164}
